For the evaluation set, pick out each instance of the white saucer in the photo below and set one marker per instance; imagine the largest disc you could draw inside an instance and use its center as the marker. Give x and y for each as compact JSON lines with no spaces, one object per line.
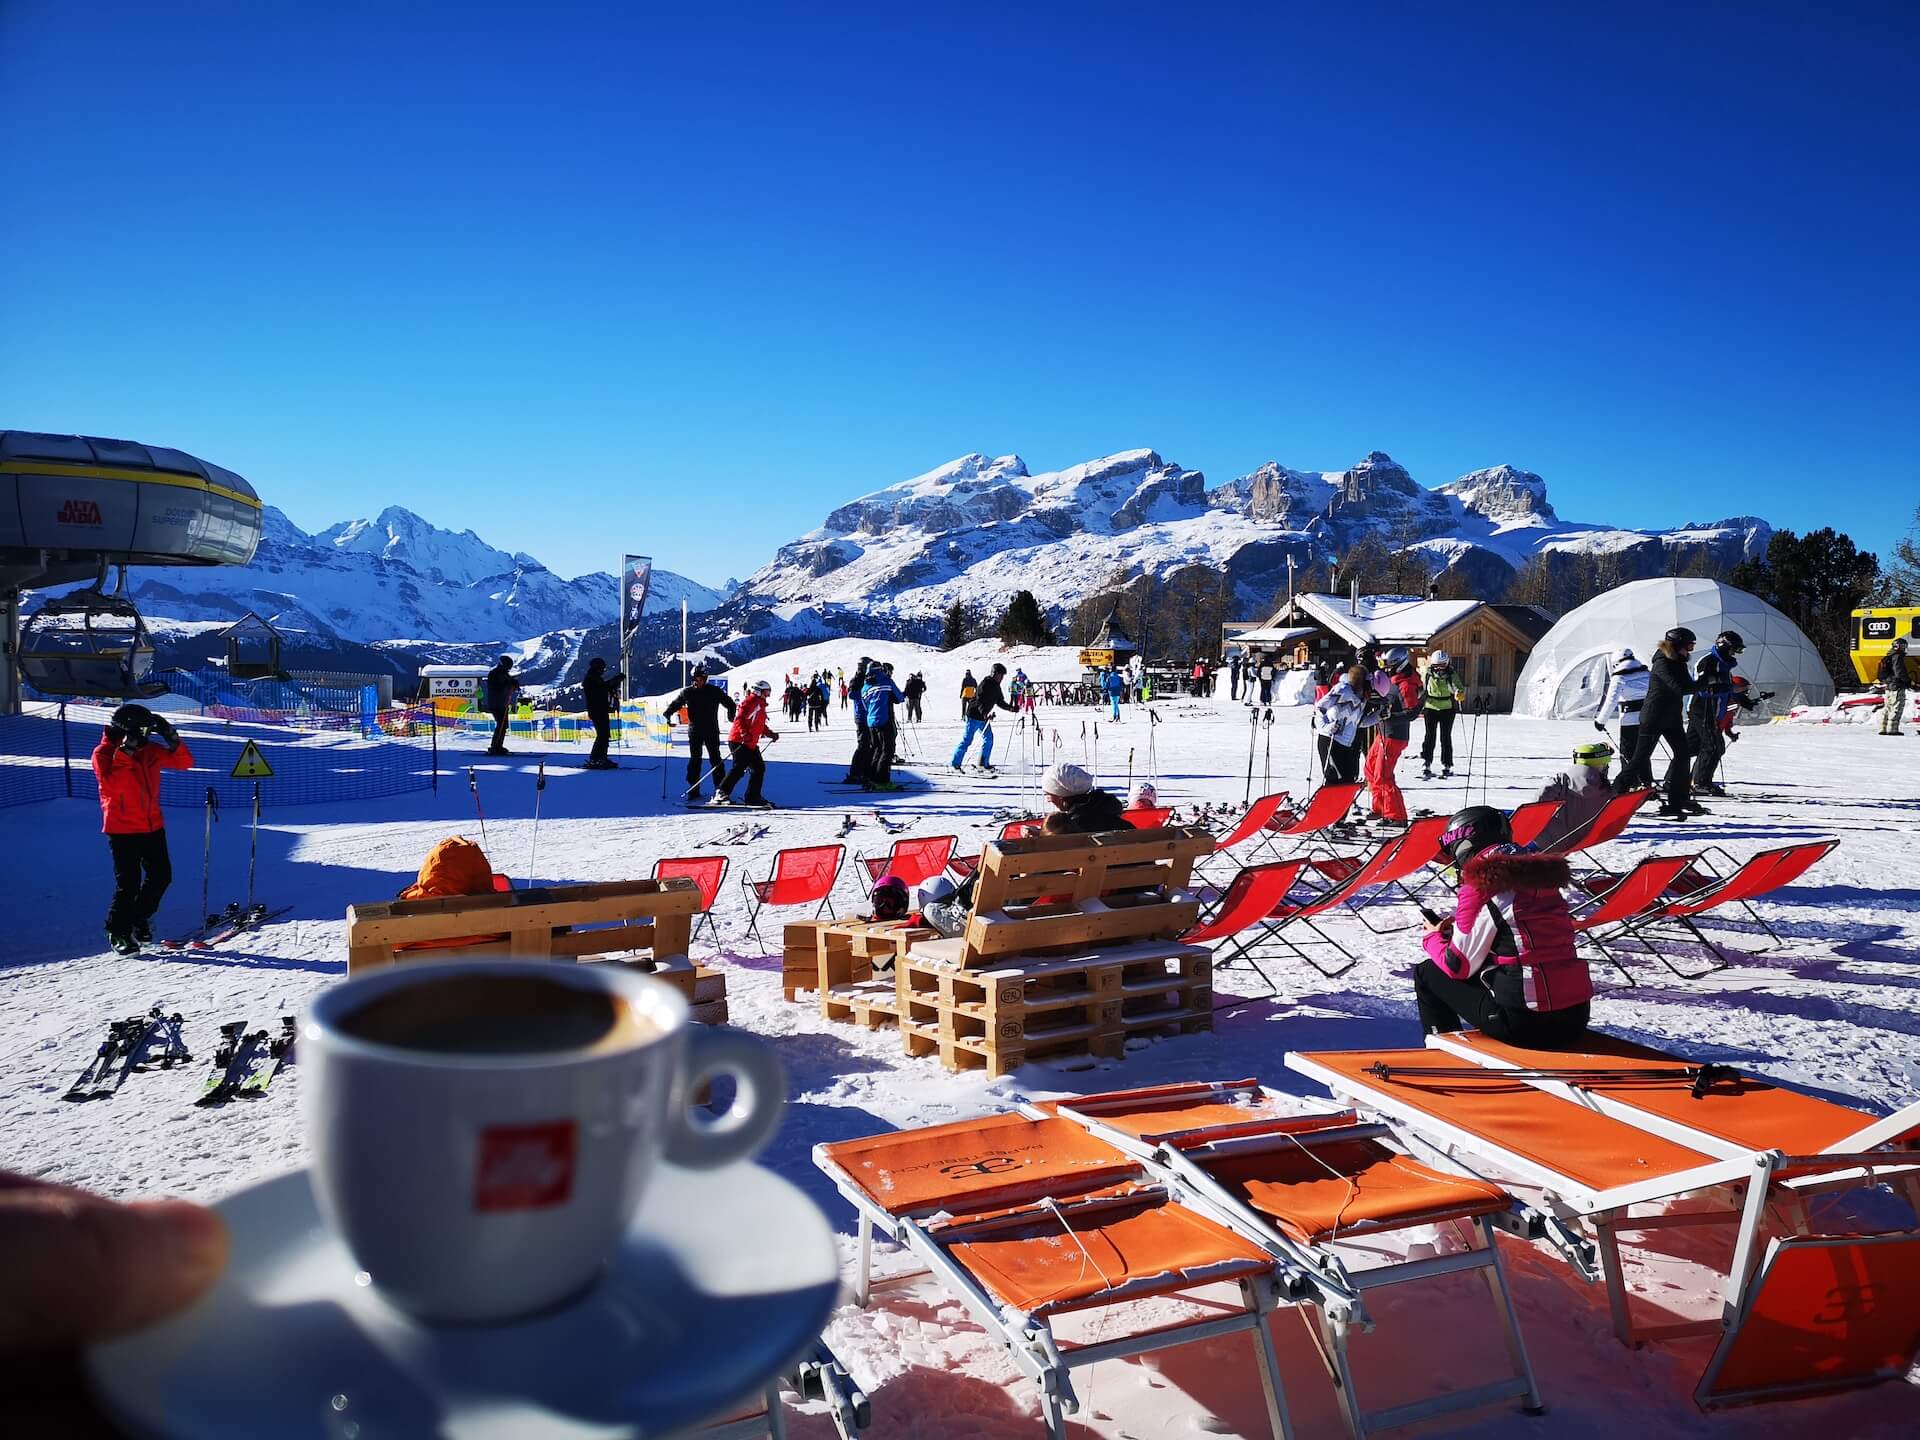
{"x":724,"y":1278}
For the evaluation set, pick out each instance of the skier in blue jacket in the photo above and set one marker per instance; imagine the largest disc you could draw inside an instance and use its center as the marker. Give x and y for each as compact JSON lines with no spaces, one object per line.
{"x":878,"y":700}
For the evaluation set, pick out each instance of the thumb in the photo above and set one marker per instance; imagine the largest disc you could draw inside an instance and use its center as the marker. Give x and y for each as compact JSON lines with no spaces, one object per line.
{"x":82,"y":1268}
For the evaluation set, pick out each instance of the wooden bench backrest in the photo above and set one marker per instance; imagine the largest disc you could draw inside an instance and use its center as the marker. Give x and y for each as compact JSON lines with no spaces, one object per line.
{"x":654,"y":915}
{"x":1071,"y":873}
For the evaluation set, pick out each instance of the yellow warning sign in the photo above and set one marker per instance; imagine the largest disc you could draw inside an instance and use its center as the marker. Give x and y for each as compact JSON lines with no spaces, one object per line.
{"x":251,"y":765}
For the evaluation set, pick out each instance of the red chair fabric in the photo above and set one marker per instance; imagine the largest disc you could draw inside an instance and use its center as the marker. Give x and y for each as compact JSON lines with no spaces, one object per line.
{"x":1148,"y":817}
{"x":1763,"y":873}
{"x":965,"y":865}
{"x":1255,"y":893}
{"x":1637,"y":890}
{"x":1605,"y":826}
{"x":1329,"y":804}
{"x":708,"y":872}
{"x":1259,"y":816}
{"x":913,"y":861}
{"x":1530,"y":819}
{"x":800,"y":876}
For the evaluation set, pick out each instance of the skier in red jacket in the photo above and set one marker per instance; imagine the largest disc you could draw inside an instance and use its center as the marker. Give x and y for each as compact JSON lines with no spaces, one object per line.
{"x":134,"y":748}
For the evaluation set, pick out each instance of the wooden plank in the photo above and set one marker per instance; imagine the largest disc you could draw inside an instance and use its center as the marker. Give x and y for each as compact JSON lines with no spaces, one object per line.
{"x":672,"y":934}
{"x":1003,"y":934}
{"x":455,"y":916}
{"x":364,"y":958}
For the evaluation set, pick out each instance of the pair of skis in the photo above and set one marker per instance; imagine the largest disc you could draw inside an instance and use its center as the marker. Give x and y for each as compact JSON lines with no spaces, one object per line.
{"x":238,"y":1071}
{"x":127,"y":1044}
{"x":230,"y":923}
{"x":745,"y":833}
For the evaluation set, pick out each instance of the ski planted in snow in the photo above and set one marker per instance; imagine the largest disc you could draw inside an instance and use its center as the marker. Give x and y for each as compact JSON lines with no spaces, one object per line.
{"x":279,"y":1048}
{"x":847,"y":826}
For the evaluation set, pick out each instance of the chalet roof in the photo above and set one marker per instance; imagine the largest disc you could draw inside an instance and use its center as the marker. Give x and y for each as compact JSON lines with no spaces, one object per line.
{"x":1383,"y":619}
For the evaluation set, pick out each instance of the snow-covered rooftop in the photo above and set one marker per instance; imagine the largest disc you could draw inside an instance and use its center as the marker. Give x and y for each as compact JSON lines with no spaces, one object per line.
{"x":1386,"y":619}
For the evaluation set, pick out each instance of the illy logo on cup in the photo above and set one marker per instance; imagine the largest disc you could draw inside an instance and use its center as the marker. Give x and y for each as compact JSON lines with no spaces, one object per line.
{"x":524,"y":1167}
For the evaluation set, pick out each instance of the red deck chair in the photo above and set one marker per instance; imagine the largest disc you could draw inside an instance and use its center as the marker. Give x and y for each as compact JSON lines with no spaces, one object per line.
{"x":1605,"y":826}
{"x":707,"y":872}
{"x":1416,"y":849}
{"x":1629,"y":895}
{"x":1761,"y":875}
{"x":1259,"y":815}
{"x":1148,"y":817}
{"x":964,"y":865}
{"x":1531,"y":819}
{"x":913,"y":861}
{"x":800,"y":877}
{"x":1255,"y":893}
{"x":1326,"y":807}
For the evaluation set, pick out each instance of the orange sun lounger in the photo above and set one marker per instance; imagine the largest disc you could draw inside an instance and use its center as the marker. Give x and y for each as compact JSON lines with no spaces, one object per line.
{"x":1023,"y":1218}
{"x":1619,"y":1127}
{"x":1300,"y":1186}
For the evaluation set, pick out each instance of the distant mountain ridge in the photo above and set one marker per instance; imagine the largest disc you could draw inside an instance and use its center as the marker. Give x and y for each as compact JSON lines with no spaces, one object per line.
{"x":980,"y":528}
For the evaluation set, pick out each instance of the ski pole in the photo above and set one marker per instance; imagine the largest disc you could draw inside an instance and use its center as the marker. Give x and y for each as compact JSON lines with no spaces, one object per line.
{"x":473,"y":785}
{"x":1096,"y":752}
{"x":1268,"y":724}
{"x":539,"y":789}
{"x":253,"y":849}
{"x":1253,"y":734}
{"x":1130,"y":770}
{"x":206,"y":849}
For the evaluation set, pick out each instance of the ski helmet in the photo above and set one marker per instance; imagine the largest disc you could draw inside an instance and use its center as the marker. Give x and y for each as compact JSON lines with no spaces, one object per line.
{"x":1899,"y":643}
{"x":128,"y":726}
{"x":1145,"y":797}
{"x":936,"y":891}
{"x":1730,"y":640}
{"x":763,"y":687}
{"x":890,"y":898}
{"x":1598,"y":753}
{"x":1681,"y":637}
{"x":1473,"y":830}
{"x":1439,"y":657}
{"x":700,"y":672}
{"x":1396,"y":658}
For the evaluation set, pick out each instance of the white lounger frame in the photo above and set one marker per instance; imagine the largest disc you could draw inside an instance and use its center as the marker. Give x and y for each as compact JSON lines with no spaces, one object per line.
{"x":1029,"y":1338}
{"x":1608,"y":1212}
{"x":1315,"y":1274}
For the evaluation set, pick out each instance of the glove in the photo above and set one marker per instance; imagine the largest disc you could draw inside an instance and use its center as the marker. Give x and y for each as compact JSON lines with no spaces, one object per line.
{"x":1598,"y":726}
{"x":1732,"y":735}
{"x":164,"y":729}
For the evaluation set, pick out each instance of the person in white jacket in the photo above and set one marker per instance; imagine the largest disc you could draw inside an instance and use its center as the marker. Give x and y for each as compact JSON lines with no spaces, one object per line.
{"x":1626,"y":693}
{"x":1338,"y":718}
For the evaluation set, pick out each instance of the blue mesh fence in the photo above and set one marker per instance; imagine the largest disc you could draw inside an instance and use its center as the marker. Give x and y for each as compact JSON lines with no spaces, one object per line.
{"x":44,"y":757}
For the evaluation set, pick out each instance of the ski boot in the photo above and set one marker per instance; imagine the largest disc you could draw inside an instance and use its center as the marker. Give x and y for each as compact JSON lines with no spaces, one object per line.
{"x":1426,"y":772}
{"x":1447,"y":773}
{"x":123,"y":944}
{"x":143,"y":932}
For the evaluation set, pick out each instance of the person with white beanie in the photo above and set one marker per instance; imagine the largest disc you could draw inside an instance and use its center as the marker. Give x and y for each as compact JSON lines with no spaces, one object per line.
{"x":1079,"y":806}
{"x":1626,"y":693}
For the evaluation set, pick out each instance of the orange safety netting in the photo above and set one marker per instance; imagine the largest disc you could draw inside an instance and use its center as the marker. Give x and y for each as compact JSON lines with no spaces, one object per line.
{"x":1823,"y":1314}
{"x":1335,"y":1187}
{"x":1747,"y":1112}
{"x":974,"y":1165}
{"x":1066,"y":1257}
{"x":1592,"y":1150}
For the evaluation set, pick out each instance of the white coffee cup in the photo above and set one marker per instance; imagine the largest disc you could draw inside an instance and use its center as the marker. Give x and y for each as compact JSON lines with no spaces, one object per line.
{"x":490,"y":1182}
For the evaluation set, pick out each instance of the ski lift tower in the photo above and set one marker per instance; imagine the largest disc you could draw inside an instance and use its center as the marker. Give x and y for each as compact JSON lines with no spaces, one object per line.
{"x":78,"y":507}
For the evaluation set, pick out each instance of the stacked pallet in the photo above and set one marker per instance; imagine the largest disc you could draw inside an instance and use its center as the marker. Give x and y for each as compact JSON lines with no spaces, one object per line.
{"x":1071,"y":948}
{"x":705,"y":990}
{"x":997,"y":1019}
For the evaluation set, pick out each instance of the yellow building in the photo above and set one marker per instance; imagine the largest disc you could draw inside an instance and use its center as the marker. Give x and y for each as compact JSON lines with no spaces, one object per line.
{"x":1874,"y":631}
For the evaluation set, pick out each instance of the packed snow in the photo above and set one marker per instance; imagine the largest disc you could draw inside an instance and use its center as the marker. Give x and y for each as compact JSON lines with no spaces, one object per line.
{"x":1837,"y":1014}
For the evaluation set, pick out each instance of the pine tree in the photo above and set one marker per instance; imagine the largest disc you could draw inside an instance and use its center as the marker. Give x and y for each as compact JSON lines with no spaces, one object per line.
{"x":956,"y":626}
{"x":1900,"y":576}
{"x":1023,"y":624}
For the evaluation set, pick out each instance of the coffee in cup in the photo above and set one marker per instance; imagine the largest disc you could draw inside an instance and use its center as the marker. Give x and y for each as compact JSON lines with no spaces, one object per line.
{"x":482,"y":1132}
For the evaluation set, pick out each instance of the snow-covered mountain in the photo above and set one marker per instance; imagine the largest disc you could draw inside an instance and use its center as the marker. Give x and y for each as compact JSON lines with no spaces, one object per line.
{"x":979,"y":529}
{"x":395,"y":577}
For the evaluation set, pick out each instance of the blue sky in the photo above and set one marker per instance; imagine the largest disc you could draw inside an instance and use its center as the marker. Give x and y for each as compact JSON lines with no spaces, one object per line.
{"x":588,"y":278}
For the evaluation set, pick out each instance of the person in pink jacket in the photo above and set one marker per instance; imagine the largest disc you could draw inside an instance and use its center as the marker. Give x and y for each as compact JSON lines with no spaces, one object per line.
{"x":1506,"y":962}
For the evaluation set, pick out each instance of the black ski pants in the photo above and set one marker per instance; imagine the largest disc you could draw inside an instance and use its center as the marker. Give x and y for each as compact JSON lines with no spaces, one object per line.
{"x":1708,"y":746}
{"x":1339,"y":764}
{"x":710,"y":744}
{"x":886,"y":743}
{"x":142,"y":870}
{"x":860,"y":768}
{"x":1652,"y":732}
{"x":602,"y":737}
{"x":913,"y":708}
{"x":1446,"y":1003}
{"x":747,"y":761}
{"x":1436,"y":725}
{"x":499,"y":731}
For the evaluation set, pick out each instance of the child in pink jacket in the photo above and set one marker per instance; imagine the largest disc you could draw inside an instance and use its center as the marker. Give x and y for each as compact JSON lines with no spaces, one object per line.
{"x":1506,"y":962}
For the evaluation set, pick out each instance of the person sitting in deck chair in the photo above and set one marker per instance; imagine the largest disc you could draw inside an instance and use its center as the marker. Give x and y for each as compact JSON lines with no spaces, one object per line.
{"x":1583,"y":791}
{"x":1506,"y":962}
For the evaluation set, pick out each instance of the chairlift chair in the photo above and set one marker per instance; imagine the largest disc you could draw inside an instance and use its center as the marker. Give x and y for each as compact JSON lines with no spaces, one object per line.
{"x":89,"y":645}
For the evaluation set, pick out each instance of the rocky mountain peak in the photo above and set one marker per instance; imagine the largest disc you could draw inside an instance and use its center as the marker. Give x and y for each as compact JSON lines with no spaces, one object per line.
{"x":1503,"y":494}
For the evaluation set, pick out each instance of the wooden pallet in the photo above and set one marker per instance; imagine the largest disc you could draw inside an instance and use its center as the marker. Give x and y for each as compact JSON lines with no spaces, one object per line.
{"x":998,"y":1019}
{"x":1062,"y":893}
{"x":843,"y":953}
{"x":570,"y":922}
{"x":871,"y":1002}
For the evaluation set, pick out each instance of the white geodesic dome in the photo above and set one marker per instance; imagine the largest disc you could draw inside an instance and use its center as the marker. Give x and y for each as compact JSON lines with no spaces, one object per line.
{"x":1566,"y":676}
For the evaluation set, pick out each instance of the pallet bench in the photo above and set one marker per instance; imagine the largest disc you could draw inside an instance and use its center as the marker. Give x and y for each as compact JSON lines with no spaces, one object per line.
{"x":556,"y":922}
{"x":826,"y":955}
{"x":1068,"y":892}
